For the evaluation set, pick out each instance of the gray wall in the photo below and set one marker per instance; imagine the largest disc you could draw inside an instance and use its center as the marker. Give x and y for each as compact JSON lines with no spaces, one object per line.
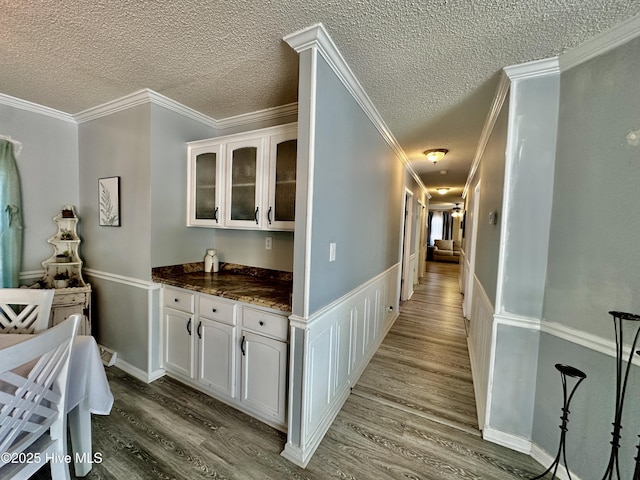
{"x":593,"y":251}
{"x":48,"y":168}
{"x":357,"y":195}
{"x":172,"y":242}
{"x":530,"y":193}
{"x":491,"y":173}
{"x":118,"y":145}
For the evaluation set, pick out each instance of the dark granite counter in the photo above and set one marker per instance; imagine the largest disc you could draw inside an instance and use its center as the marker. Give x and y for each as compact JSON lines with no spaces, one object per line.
{"x":258,"y":286}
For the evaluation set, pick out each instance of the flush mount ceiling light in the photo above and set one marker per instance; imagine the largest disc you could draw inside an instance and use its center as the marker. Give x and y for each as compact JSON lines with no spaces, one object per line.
{"x":435,"y":154}
{"x":442,"y":190}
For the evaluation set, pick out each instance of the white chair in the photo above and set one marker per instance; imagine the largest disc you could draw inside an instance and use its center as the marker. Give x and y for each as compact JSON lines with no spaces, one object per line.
{"x":34,"y":376}
{"x":24,"y":310}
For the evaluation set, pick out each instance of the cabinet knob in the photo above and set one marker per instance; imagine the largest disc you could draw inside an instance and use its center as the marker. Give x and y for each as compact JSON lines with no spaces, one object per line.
{"x":176,"y":300}
{"x":214,"y":310}
{"x":261,"y":323}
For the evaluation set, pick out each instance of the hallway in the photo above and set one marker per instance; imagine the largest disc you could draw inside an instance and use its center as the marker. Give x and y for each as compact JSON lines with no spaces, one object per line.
{"x":411,"y":415}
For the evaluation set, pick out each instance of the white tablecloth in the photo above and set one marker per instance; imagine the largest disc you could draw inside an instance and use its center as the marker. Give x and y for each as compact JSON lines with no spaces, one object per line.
{"x":87,"y":379}
{"x":88,"y":393}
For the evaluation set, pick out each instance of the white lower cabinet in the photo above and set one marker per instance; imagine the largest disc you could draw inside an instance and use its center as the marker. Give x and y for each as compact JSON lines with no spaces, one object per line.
{"x":178,"y":351}
{"x":217,"y":357}
{"x":264,"y":375}
{"x":230,"y":350}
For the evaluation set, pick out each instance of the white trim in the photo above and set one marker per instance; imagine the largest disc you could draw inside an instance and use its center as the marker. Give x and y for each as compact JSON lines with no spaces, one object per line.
{"x":509,"y":440}
{"x":138,"y":373}
{"x":258,"y":116}
{"x":306,"y":322}
{"x":492,"y":116}
{"x":35,"y":108}
{"x":602,"y":43}
{"x":32,"y":274}
{"x":317,"y":37}
{"x":545,"y":458}
{"x":519,"y":321}
{"x":142,"y":97}
{"x":112,"y":277}
{"x":587,"y":340}
{"x":536,"y":68}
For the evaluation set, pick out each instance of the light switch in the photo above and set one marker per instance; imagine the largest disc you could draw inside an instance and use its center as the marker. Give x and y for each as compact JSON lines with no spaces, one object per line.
{"x":332,"y":252}
{"x":268,"y":243}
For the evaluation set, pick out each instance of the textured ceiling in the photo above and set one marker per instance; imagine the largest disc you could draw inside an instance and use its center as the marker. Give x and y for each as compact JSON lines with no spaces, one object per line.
{"x":430,"y":66}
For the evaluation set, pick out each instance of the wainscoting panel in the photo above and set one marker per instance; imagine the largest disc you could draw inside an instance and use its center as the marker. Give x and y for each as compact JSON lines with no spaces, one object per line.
{"x":479,"y":341}
{"x":339,"y":343}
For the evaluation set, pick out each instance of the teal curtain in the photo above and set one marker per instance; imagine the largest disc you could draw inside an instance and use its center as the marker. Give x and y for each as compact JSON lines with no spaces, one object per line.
{"x":10,"y":218}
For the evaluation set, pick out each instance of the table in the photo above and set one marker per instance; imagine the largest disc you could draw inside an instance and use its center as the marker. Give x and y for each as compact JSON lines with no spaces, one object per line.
{"x":88,"y":393}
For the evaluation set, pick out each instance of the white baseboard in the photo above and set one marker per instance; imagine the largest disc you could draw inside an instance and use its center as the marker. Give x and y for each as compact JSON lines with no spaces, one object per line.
{"x":139,"y":373}
{"x":509,"y":440}
{"x":545,"y":459}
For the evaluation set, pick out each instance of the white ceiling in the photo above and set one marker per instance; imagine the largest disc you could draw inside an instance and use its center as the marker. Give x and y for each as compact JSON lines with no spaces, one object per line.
{"x":429,"y":66}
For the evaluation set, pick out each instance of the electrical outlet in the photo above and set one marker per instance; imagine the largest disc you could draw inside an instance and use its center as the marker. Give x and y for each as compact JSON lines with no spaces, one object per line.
{"x":332,"y":252}
{"x":268,"y":243}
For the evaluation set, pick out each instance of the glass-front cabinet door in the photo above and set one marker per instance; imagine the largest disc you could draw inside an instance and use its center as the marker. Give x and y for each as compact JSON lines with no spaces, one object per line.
{"x":244,"y":183}
{"x":280,"y":214}
{"x":205,"y":185}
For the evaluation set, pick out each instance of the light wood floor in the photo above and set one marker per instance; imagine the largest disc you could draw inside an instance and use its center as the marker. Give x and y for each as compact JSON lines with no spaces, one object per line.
{"x":411,"y":416}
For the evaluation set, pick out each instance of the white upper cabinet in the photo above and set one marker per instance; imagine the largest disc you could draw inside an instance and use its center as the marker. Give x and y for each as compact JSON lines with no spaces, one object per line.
{"x":281,"y":181}
{"x":245,"y":180}
{"x":205,"y":176}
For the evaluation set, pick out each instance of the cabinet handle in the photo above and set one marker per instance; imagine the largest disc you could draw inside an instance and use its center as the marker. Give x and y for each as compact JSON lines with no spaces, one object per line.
{"x":215,"y":214}
{"x":200,"y":330}
{"x":242,"y":346}
{"x":269,"y":215}
{"x":189,"y":326}
{"x":255,"y":215}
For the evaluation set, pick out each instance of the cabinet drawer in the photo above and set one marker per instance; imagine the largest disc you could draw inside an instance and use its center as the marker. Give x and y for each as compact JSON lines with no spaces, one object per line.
{"x":179,"y":300}
{"x":269,"y":324}
{"x":70,"y":298}
{"x":217,"y":309}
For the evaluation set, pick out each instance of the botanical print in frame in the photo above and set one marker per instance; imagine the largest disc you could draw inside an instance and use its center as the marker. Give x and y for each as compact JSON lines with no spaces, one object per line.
{"x":109,"y":201}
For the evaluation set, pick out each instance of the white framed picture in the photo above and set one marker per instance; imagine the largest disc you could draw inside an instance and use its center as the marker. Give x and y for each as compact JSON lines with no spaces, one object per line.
{"x":109,"y":201}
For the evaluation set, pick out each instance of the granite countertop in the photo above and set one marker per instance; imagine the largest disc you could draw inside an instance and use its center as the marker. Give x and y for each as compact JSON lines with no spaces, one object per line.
{"x":258,"y":286}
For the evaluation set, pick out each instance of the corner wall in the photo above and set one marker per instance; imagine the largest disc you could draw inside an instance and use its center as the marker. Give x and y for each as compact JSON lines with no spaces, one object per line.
{"x":593,"y":258}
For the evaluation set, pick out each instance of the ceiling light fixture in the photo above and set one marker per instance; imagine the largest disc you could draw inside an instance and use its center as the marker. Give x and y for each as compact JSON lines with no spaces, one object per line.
{"x":435,"y":154}
{"x":442,"y":190}
{"x":457,"y":211}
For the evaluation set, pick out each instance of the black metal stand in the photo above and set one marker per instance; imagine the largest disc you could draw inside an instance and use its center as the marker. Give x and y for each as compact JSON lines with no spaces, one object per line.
{"x":621,"y":388}
{"x":565,"y":371}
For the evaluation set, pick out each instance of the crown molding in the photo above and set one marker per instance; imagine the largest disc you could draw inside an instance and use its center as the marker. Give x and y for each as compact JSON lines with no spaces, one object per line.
{"x":498,"y":100}
{"x":602,"y":43}
{"x":142,"y":97}
{"x":316,"y":36}
{"x":35,"y":108}
{"x":258,"y":116}
{"x":536,"y":68}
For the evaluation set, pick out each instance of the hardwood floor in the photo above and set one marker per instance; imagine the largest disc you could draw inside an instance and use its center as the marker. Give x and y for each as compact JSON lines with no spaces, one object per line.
{"x":411,"y":416}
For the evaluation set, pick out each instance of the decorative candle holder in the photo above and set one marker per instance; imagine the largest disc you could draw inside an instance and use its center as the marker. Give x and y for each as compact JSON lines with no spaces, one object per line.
{"x":613,"y":466}
{"x":571,"y":372}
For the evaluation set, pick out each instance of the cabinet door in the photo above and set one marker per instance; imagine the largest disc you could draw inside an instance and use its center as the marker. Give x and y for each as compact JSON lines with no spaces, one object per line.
{"x":217,"y":356}
{"x":264,"y":376}
{"x":178,"y":351}
{"x":205,"y":186}
{"x":245,"y":163}
{"x":280,"y":206}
